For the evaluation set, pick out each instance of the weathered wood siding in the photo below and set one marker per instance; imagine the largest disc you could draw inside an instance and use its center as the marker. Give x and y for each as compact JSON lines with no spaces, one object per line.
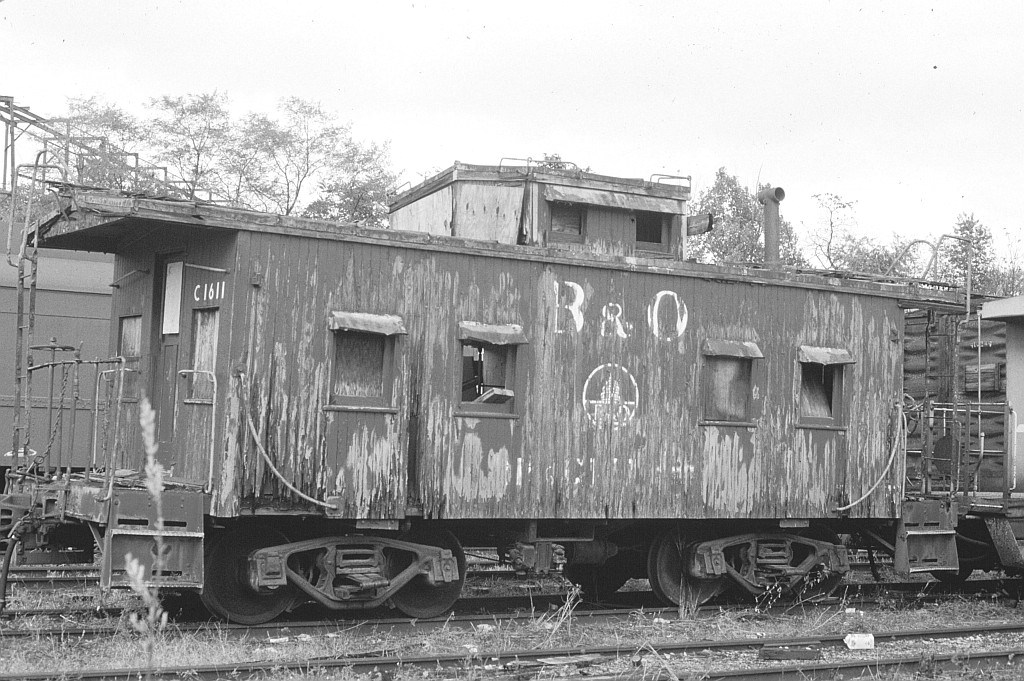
{"x":432,"y":214}
{"x":489,"y":212}
{"x":560,"y":453}
{"x":562,"y":458}
{"x":185,"y":426}
{"x":356,"y":458}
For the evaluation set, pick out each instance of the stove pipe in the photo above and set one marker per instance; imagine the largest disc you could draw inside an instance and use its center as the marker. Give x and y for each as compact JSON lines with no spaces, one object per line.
{"x":769,"y":197}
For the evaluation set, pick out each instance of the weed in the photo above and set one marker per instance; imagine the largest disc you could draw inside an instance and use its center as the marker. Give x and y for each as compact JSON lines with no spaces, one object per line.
{"x":561,"y":618}
{"x":155,"y":620}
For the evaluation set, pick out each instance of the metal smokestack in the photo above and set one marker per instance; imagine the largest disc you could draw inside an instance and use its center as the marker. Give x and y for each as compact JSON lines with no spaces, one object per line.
{"x":769,"y":197}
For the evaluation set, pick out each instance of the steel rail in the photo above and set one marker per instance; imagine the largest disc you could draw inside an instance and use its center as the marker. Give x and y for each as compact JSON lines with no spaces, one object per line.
{"x":927,"y":665}
{"x":383,"y":661}
{"x":96,"y":610}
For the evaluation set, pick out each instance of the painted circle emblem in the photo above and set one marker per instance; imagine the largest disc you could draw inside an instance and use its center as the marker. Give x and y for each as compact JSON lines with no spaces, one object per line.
{"x":610,"y":396}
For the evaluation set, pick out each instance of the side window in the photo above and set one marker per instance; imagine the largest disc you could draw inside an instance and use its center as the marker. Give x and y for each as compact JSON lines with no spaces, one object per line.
{"x":363,"y":358}
{"x":171,"y":318}
{"x":129,"y":346}
{"x":358,"y":367}
{"x":488,"y":367}
{"x":566,"y":221}
{"x":651,"y":231}
{"x":822,"y":375}
{"x":728,"y":380}
{"x":205,"y":325}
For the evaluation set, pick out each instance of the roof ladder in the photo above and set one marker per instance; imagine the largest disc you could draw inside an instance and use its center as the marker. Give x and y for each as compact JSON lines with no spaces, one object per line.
{"x":25,"y":197}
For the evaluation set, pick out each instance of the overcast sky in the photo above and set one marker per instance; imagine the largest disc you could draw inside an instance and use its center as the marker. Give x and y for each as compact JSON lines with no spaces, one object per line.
{"x":913,"y":110}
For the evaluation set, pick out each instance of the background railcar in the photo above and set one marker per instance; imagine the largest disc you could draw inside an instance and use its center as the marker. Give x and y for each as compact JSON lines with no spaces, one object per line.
{"x":532,"y":364}
{"x":72,"y":304}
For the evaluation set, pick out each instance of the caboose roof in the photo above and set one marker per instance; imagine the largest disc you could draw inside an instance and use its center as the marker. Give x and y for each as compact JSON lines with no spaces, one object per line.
{"x":661,"y":193}
{"x":101,"y":221}
{"x":1004,"y":308}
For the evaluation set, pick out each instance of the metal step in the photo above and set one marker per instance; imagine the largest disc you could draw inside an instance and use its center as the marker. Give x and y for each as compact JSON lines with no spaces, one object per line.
{"x":926,"y":537}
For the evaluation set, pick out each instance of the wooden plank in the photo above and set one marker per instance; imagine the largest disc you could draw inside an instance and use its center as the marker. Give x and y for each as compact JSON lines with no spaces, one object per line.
{"x":488,"y":212}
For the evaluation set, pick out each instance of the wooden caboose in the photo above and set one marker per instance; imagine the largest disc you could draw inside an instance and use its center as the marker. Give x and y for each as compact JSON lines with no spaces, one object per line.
{"x":525,"y":360}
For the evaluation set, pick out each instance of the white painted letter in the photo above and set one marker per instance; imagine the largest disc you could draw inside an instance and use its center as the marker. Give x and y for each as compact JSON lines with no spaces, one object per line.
{"x":611,"y":321}
{"x":195,"y":292}
{"x":682,"y":316}
{"x":575,"y":307}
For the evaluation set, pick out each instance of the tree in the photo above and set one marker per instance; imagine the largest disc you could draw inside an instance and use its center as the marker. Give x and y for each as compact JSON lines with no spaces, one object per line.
{"x":737,"y":236}
{"x":866,"y":255}
{"x":190,"y":134}
{"x":106,"y":143}
{"x":828,"y":242}
{"x":356,"y":187}
{"x":1009,"y":270}
{"x":835,"y":246}
{"x":973,"y":246}
{"x":298,"y":159}
{"x":271,"y":160}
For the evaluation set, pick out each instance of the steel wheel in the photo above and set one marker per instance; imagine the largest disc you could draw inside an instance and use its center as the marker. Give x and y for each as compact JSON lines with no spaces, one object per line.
{"x":669,"y":581}
{"x":226,"y":591}
{"x":419,"y":598}
{"x":953,"y":577}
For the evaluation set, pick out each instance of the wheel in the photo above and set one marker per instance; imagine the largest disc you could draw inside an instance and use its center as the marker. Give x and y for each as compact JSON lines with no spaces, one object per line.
{"x":952,"y":578}
{"x":670,"y":582}
{"x":419,"y":598}
{"x":226,"y":591}
{"x":598,"y":581}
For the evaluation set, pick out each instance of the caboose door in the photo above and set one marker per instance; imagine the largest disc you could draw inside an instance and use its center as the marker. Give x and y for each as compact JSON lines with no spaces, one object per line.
{"x":186,"y":390}
{"x":168,"y":302}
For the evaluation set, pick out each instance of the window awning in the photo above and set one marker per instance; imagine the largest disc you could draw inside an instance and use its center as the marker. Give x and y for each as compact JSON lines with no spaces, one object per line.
{"x":810,"y":353}
{"x":731,"y":348}
{"x":383,"y":324}
{"x":598,"y":197}
{"x":495,"y":334}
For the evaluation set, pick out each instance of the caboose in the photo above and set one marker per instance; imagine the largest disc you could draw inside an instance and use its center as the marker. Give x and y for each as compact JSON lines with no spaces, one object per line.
{"x":526,"y":360}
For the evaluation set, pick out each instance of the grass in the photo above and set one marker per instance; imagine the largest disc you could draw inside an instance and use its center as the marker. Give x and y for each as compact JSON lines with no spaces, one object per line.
{"x":546,"y":630}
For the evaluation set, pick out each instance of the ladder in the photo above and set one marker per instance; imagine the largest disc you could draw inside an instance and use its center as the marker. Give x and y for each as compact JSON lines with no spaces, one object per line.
{"x":23,"y":254}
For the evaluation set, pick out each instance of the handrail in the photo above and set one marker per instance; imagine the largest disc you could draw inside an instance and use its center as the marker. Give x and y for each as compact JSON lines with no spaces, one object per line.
{"x":36,"y":167}
{"x":213,"y":418}
{"x":1011,"y":447}
{"x":117,"y":424}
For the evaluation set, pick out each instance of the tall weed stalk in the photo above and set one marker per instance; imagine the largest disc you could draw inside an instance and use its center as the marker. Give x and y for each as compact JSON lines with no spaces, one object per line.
{"x":153,"y":621}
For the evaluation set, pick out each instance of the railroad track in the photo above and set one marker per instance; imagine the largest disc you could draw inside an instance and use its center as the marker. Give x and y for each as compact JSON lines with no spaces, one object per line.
{"x":856,"y":594}
{"x":638,"y":660}
{"x":57,"y":577}
{"x":469,"y":613}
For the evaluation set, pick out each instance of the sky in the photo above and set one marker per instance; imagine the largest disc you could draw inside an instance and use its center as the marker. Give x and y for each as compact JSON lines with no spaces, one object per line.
{"x":914,"y":111}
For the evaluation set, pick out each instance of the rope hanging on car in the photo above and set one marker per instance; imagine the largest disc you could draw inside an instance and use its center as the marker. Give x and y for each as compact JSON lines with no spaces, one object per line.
{"x":899,"y":439}
{"x":257,"y":437}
